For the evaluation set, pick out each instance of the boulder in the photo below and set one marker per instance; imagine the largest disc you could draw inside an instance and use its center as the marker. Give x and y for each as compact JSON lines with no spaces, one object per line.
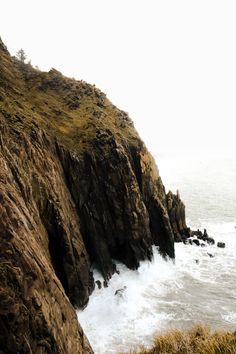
{"x":221,"y":244}
{"x":99,"y":284}
{"x":197,"y":233}
{"x":196,"y":242}
{"x":210,"y":241}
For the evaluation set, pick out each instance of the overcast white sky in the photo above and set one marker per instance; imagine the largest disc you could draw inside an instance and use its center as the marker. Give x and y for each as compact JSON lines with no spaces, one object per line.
{"x":170,"y":64}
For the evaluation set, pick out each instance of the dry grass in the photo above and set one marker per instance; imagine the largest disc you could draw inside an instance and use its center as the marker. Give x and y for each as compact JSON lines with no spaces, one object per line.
{"x":74,"y":110}
{"x":199,"y":340}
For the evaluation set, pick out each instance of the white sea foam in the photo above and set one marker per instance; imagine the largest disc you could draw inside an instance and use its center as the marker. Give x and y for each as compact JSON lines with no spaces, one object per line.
{"x":162,"y":295}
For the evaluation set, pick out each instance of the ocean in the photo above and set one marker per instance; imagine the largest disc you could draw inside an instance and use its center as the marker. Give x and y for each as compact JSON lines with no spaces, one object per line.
{"x":196,"y":288}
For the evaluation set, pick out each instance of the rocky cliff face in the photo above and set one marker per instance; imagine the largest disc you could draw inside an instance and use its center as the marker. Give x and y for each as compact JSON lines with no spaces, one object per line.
{"x":176,"y":211}
{"x":77,"y":187}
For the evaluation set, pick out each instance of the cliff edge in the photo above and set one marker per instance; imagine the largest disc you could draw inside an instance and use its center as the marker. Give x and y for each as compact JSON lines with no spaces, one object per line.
{"x":77,"y":187}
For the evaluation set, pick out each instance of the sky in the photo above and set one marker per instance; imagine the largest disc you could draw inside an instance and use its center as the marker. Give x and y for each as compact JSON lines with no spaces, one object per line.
{"x":170,"y":64}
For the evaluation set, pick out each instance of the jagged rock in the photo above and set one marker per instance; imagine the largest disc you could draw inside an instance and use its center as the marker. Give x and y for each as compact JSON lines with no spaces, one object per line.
{"x":105,"y":284}
{"x":197,"y":233}
{"x":77,"y":186}
{"x":99,"y":284}
{"x":221,"y":244}
{"x":203,"y":236}
{"x":210,"y":241}
{"x":196,"y":241}
{"x":176,"y":211}
{"x":120,"y":292}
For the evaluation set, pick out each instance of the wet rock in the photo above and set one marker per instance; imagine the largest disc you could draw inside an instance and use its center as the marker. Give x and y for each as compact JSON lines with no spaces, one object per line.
{"x":105,"y":284}
{"x":99,"y":284}
{"x":210,"y":241}
{"x":120,"y":292}
{"x":77,"y":187}
{"x":221,"y":244}
{"x":196,"y":242}
{"x":197,"y":233}
{"x":176,"y":211}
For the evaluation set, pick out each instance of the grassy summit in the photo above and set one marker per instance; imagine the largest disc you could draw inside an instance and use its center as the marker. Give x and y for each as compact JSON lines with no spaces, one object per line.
{"x":75,"y":110}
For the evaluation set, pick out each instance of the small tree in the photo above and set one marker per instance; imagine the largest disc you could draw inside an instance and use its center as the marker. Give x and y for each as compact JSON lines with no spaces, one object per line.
{"x":21,"y":56}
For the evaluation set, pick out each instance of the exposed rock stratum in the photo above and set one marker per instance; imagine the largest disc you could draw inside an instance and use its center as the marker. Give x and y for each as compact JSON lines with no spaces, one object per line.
{"x":77,"y":187}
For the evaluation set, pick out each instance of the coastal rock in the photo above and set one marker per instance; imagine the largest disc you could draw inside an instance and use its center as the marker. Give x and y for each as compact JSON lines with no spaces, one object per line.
{"x":176,"y":211}
{"x":196,"y":242}
{"x":203,"y":236}
{"x":221,"y":244}
{"x":197,"y":233}
{"x":43,"y":259}
{"x":120,"y":292}
{"x":210,"y":241}
{"x":99,"y":284}
{"x":77,"y":187}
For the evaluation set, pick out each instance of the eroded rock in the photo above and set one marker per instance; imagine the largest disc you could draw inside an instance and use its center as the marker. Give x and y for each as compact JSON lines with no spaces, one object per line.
{"x":221,"y":244}
{"x":77,"y":186}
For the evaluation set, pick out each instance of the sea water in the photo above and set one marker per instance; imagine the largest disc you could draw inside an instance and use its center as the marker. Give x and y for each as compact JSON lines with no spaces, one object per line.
{"x":199,"y":287}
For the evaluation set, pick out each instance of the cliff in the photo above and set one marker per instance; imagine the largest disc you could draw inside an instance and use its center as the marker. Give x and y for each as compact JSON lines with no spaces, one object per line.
{"x":77,"y":187}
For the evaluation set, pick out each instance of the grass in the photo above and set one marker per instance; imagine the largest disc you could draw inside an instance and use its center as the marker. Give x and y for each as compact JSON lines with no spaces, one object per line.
{"x":74,"y":111}
{"x":198,"y":340}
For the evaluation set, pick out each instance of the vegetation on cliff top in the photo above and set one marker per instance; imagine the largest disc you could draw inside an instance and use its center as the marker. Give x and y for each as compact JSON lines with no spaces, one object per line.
{"x":199,"y":340}
{"x":76,"y":111}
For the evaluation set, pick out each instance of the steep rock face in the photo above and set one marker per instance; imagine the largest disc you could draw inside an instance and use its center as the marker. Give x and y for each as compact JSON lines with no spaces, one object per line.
{"x":77,"y":187}
{"x":43,"y":258}
{"x":176,"y":211}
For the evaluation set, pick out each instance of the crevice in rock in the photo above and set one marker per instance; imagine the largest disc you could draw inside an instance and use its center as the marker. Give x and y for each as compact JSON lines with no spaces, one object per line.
{"x":56,"y":249}
{"x":137,"y":166}
{"x":56,"y":244}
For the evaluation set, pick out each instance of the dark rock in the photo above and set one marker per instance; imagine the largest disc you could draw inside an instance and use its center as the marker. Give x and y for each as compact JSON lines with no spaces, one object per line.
{"x":99,"y":284}
{"x":210,"y":241}
{"x":176,"y":211}
{"x":196,"y":241}
{"x":120,"y":292}
{"x":210,"y":255}
{"x":197,"y":233}
{"x":105,"y":284}
{"x":197,"y":261}
{"x":203,"y":245}
{"x":221,"y":244}
{"x":77,"y":187}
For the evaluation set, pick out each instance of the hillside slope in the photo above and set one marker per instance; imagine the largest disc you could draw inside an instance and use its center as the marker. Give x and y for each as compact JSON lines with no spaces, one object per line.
{"x":77,"y":187}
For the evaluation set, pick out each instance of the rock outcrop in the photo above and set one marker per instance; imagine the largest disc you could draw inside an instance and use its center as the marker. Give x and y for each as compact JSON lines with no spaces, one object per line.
{"x":176,"y":211}
{"x":77,"y":187}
